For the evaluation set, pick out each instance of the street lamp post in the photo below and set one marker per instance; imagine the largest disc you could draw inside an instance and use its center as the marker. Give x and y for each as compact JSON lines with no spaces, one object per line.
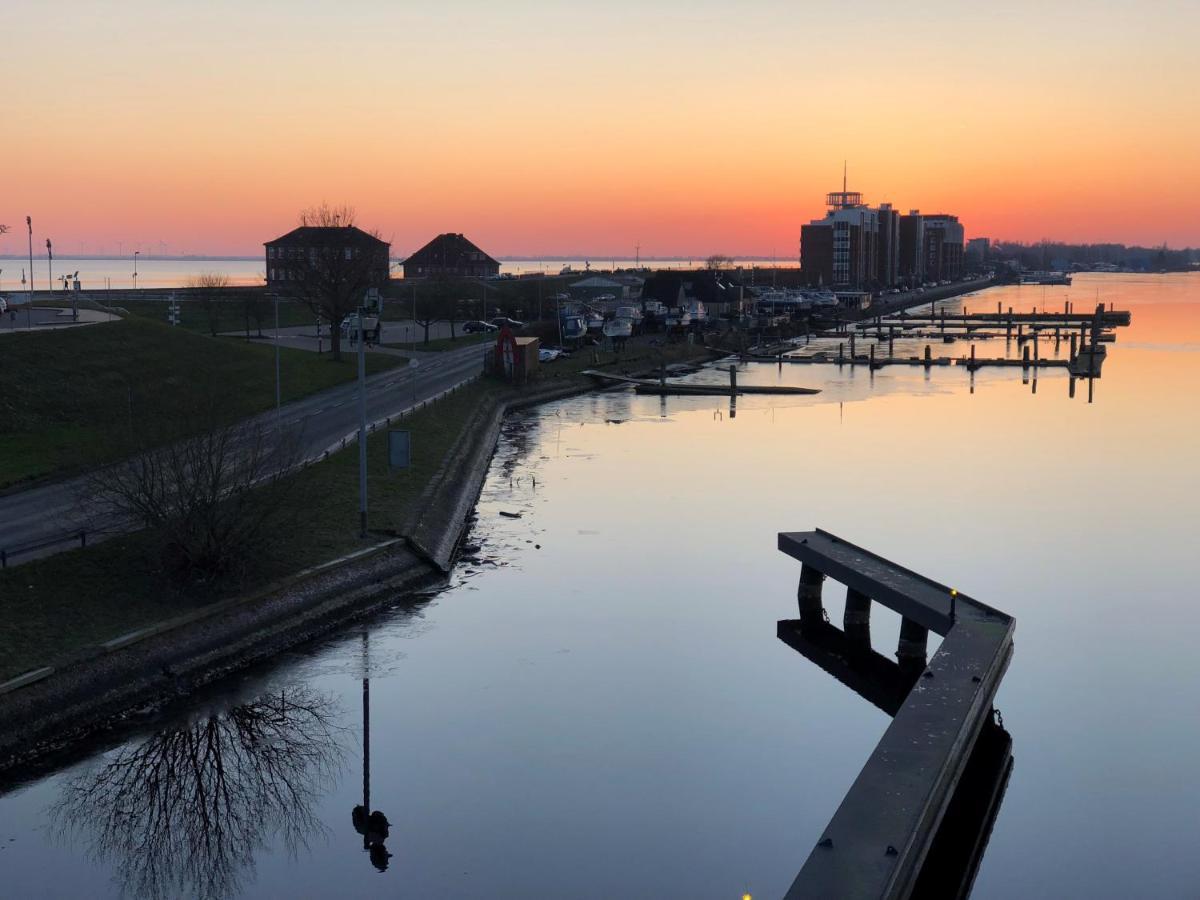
{"x":362,"y":423}
{"x":135,"y":256}
{"x":278,"y":405}
{"x":29,"y":306}
{"x":50,"y":266}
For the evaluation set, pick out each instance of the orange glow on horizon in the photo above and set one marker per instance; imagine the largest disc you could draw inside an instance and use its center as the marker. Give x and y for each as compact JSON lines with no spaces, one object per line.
{"x":542,"y":130}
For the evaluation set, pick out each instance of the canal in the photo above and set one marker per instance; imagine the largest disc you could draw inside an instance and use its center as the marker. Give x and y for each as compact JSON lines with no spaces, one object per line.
{"x":597,"y":705}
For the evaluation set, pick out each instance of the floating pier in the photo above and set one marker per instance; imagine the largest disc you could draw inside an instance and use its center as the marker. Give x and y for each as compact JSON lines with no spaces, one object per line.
{"x":901,"y":830}
{"x":928,"y":361}
{"x":662,"y":387}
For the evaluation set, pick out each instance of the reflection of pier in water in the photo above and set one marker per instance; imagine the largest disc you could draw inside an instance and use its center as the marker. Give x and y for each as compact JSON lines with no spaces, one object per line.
{"x":916,"y":820}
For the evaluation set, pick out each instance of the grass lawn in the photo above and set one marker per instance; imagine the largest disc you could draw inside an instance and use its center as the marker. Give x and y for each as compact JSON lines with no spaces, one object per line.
{"x":437,"y":346}
{"x":84,"y":597}
{"x":66,"y":396}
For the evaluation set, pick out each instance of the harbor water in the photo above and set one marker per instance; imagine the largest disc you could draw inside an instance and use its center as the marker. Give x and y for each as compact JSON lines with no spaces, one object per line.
{"x":597,"y":705}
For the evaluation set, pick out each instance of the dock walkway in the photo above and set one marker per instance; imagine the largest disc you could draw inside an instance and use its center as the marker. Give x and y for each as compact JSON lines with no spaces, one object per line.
{"x":878,"y":841}
{"x":662,"y":387}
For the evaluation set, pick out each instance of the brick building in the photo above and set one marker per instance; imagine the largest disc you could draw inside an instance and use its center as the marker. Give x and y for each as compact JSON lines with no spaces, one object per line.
{"x":291,"y":256}
{"x":450,"y":255}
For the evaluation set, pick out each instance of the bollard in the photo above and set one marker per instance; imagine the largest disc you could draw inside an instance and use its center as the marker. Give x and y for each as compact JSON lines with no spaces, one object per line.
{"x":910,"y":651}
{"x":808,"y":596}
{"x":928,"y":357}
{"x":856,"y":621}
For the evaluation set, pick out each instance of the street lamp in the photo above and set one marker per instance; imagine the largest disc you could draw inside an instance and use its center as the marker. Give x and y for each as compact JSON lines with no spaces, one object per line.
{"x":135,"y":256}
{"x":29,"y":306}
{"x":50,"y":266}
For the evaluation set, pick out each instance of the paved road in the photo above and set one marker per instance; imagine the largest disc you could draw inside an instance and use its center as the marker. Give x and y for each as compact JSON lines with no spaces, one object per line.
{"x":401,"y":331}
{"x":54,"y":510}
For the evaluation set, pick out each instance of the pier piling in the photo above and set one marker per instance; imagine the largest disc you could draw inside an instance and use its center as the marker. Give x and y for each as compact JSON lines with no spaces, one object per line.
{"x":911,"y":648}
{"x":856,"y":620}
{"x":928,"y":356}
{"x":808,"y":595}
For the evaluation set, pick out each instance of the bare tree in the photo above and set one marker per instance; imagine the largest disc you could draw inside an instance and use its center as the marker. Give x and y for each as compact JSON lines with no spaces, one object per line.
{"x":255,"y":306}
{"x":209,"y":286}
{"x":211,"y":500}
{"x":184,"y":812}
{"x":427,"y":309}
{"x":332,"y":275}
{"x":718,"y":261}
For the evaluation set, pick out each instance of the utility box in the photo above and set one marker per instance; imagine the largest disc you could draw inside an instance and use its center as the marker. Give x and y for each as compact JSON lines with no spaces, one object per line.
{"x":516,"y":357}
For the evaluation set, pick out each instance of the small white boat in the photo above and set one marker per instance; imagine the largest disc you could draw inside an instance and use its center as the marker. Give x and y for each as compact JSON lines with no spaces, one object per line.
{"x":573,"y":328}
{"x":679,"y":317}
{"x":618,"y":328}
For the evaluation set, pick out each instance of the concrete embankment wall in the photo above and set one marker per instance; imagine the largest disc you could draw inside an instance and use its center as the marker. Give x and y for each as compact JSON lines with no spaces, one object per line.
{"x":96,"y":687}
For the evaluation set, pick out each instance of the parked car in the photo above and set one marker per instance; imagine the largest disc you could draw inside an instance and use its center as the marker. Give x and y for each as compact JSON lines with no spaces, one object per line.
{"x":477,"y":327}
{"x":501,"y":321}
{"x":3,"y":305}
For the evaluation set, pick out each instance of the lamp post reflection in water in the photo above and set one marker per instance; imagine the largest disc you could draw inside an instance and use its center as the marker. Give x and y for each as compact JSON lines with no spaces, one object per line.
{"x":373,"y":826}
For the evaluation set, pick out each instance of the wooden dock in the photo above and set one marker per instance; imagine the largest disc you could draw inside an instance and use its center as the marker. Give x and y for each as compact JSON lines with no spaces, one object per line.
{"x":940,"y":761}
{"x":927,"y":362}
{"x":662,"y":387}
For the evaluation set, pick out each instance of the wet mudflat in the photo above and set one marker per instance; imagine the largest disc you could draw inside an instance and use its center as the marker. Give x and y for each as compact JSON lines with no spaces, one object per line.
{"x":598,"y":705}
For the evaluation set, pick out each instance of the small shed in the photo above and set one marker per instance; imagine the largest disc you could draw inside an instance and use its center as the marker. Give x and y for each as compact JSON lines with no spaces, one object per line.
{"x":516,"y":357}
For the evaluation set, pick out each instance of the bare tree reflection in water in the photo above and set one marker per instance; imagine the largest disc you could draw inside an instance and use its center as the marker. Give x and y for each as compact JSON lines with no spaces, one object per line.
{"x":185,"y":812}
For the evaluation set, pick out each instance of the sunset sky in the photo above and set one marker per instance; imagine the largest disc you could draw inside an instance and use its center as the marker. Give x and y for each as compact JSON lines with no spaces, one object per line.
{"x":557,"y":128}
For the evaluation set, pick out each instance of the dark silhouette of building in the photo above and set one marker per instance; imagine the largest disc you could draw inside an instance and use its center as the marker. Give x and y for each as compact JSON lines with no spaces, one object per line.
{"x":887,"y":267}
{"x":289,"y":257}
{"x":450,"y":255}
{"x":943,"y":247}
{"x":720,"y":296}
{"x":911,"y":258}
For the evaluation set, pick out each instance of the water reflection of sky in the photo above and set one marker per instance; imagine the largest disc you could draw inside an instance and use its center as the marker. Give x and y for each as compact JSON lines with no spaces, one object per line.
{"x":599,"y":706}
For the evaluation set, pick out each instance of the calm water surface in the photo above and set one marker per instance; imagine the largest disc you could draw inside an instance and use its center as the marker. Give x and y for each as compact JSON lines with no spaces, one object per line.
{"x":599,"y":707}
